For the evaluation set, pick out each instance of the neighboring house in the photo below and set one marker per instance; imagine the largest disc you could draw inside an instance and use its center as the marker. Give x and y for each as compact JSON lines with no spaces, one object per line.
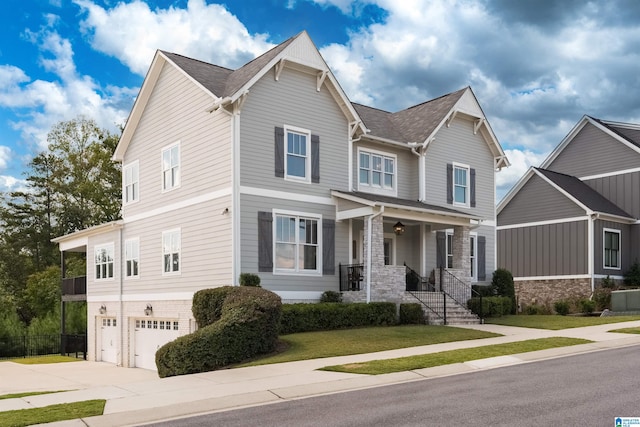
{"x":574,"y":221}
{"x":270,"y":169}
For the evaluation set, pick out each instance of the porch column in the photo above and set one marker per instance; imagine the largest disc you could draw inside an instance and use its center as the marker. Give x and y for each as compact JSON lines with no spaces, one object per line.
{"x":374,"y":248}
{"x":461,"y":249}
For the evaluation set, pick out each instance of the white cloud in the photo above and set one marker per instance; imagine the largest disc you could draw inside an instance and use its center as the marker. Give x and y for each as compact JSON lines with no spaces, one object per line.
{"x":521,"y":161}
{"x":132,"y":32}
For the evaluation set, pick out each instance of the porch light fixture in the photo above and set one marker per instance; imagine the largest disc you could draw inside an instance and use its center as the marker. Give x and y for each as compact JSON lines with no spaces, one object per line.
{"x":103,"y":309}
{"x":398,"y":228}
{"x":148,"y":310}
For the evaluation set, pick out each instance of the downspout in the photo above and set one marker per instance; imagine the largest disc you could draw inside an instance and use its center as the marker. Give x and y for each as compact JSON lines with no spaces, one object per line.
{"x":591,"y":249}
{"x":235,"y":196}
{"x":120,"y":302}
{"x":369,"y":235}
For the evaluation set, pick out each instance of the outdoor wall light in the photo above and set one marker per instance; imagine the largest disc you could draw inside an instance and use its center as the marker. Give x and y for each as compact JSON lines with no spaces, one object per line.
{"x":398,"y":228}
{"x":148,"y":310}
{"x":103,"y":309}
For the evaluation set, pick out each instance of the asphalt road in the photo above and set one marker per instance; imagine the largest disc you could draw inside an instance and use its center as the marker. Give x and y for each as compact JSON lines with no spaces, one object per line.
{"x":585,"y":390}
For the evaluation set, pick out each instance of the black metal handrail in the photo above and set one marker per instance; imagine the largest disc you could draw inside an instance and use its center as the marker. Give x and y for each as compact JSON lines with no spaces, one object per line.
{"x":74,"y":285}
{"x":415,"y":282}
{"x":425,"y":292}
{"x":351,"y":277}
{"x":458,"y":290}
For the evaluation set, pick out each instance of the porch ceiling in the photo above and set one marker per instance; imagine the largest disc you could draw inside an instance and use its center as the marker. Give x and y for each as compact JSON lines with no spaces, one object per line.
{"x":356,"y":204}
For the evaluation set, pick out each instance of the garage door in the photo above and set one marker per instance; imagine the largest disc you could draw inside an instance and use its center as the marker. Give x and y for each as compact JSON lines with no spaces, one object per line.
{"x":149,"y":336}
{"x":109,"y":340}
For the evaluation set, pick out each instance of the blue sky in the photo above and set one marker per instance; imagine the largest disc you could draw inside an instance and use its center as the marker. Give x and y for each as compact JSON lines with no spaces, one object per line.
{"x":536,"y":66}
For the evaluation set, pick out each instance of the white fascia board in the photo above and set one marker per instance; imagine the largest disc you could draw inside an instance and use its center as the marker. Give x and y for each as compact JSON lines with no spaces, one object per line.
{"x":91,"y":231}
{"x":354,"y":213}
{"x":545,"y":222}
{"x":565,"y":141}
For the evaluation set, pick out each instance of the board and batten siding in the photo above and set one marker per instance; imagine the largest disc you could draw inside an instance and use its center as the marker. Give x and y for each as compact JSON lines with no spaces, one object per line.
{"x":406,"y":169}
{"x":593,"y":152}
{"x":110,"y":286}
{"x":250,"y":206}
{"x":176,"y":112}
{"x":538,"y":201}
{"x":626,"y":256}
{"x":292,"y":101}
{"x":623,"y":190}
{"x":544,"y":250}
{"x":458,"y":144}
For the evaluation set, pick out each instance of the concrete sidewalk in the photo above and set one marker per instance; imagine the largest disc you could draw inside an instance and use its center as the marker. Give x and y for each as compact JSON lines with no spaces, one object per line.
{"x":137,"y":396}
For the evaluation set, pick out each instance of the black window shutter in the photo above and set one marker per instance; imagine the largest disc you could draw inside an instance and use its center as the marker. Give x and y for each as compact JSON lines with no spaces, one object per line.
{"x":265,"y":241}
{"x":279,"y":152}
{"x":441,"y":249}
{"x":472,"y":187}
{"x":482,"y":269}
{"x":315,"y":158}
{"x":328,"y":247}
{"x":449,"y":183}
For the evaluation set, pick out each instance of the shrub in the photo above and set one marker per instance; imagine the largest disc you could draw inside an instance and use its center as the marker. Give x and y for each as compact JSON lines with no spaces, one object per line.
{"x":331,"y":296}
{"x":502,"y":284}
{"x":246,"y":324}
{"x":411,"y":314}
{"x":249,"y":279}
{"x":207,"y":304}
{"x":534,"y":309}
{"x":484,"y":290}
{"x":561,"y":307}
{"x":302,"y":317}
{"x":608,"y":283}
{"x":632,"y":276}
{"x":602,"y":298}
{"x":491,"y":306}
{"x":587,"y":306}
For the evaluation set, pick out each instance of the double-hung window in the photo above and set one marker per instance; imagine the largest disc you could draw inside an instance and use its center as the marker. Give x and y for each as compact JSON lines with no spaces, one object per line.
{"x":460,"y":185}
{"x":130,"y":183}
{"x":132,"y":257}
{"x":297,"y":154}
{"x":171,"y":167}
{"x":611,"y":248}
{"x":297,"y":243}
{"x":171,"y":251}
{"x":376,"y":172}
{"x":104,"y":256}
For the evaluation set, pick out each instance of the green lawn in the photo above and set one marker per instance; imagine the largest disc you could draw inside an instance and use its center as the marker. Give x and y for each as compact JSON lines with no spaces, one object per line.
{"x":313,"y":345}
{"x":627,"y":330}
{"x":29,"y":393}
{"x":49,"y":414}
{"x":556,"y":322}
{"x":377,"y":367}
{"x":43,"y":359}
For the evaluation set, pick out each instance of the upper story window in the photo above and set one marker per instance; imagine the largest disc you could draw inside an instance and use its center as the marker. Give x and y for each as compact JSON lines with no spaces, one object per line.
{"x":132,"y":257}
{"x":297,"y":244}
{"x":460,"y":185}
{"x":376,"y":171}
{"x":130,"y":183}
{"x":611,"y":248}
{"x":298,"y":154}
{"x":104,"y":256}
{"x":171,"y":167}
{"x":171,"y":251}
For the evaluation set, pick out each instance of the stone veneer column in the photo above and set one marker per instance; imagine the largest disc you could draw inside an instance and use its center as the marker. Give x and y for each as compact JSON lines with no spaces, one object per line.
{"x":461,"y":249}
{"x":377,"y":250}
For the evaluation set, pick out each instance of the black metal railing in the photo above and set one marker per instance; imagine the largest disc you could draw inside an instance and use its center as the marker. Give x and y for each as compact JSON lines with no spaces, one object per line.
{"x":415,"y":282}
{"x":74,"y":285}
{"x":458,"y":290}
{"x":42,"y":345}
{"x":351,"y":277}
{"x":423,"y":289}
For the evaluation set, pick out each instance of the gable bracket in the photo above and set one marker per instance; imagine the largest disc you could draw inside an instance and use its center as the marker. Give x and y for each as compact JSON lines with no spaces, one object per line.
{"x":477,"y":125}
{"x":278,"y":69}
{"x":353,"y":127}
{"x":240,"y":101}
{"x":451,"y":117}
{"x":321,"y":76}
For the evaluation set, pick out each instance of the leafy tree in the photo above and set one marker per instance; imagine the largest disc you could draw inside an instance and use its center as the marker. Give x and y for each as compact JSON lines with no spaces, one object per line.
{"x":502,"y":284}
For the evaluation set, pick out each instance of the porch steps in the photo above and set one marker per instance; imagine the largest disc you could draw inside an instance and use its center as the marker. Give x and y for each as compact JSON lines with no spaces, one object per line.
{"x":456,"y":314}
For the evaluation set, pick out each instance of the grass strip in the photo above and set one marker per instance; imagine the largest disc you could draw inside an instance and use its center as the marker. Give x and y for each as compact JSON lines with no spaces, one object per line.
{"x":29,"y":393}
{"x":52,"y":413}
{"x":343,"y":342}
{"x":627,"y":330}
{"x":555,"y":322}
{"x":44,"y":359}
{"x":376,"y":367}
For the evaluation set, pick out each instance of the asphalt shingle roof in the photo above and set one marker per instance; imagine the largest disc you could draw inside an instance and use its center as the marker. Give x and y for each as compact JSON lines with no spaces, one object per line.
{"x":627,"y":132}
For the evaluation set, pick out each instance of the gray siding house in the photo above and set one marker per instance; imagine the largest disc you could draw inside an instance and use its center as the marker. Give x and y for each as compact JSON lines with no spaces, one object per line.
{"x":574,"y":220}
{"x":270,"y":169}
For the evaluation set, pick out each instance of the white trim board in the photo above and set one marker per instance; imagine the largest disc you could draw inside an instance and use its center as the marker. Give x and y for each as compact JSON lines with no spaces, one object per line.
{"x":569,"y":276}
{"x":169,"y":296}
{"x":284,"y":195}
{"x":547,"y":222}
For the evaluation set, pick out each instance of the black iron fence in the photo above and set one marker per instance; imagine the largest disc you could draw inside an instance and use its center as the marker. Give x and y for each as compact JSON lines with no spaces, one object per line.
{"x":41,"y":345}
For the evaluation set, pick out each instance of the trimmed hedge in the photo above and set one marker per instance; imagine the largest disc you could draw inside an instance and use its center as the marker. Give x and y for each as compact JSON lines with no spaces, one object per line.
{"x":411,"y":314}
{"x":491,"y":306}
{"x":302,"y":317}
{"x":236,"y":323}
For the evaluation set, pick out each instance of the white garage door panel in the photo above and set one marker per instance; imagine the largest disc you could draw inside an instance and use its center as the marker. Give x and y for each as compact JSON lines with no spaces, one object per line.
{"x":109,"y":340}
{"x":149,"y":336}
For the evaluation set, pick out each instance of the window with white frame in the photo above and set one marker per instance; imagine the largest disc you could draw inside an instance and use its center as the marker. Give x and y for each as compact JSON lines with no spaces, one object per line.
{"x":611,"y":248}
{"x":297,"y":154}
{"x":104,"y":256}
{"x":376,"y":171}
{"x":460,"y":184}
{"x":130,"y":183}
{"x":297,"y":243}
{"x":132,"y":257}
{"x":171,"y":167}
{"x":171,"y":251}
